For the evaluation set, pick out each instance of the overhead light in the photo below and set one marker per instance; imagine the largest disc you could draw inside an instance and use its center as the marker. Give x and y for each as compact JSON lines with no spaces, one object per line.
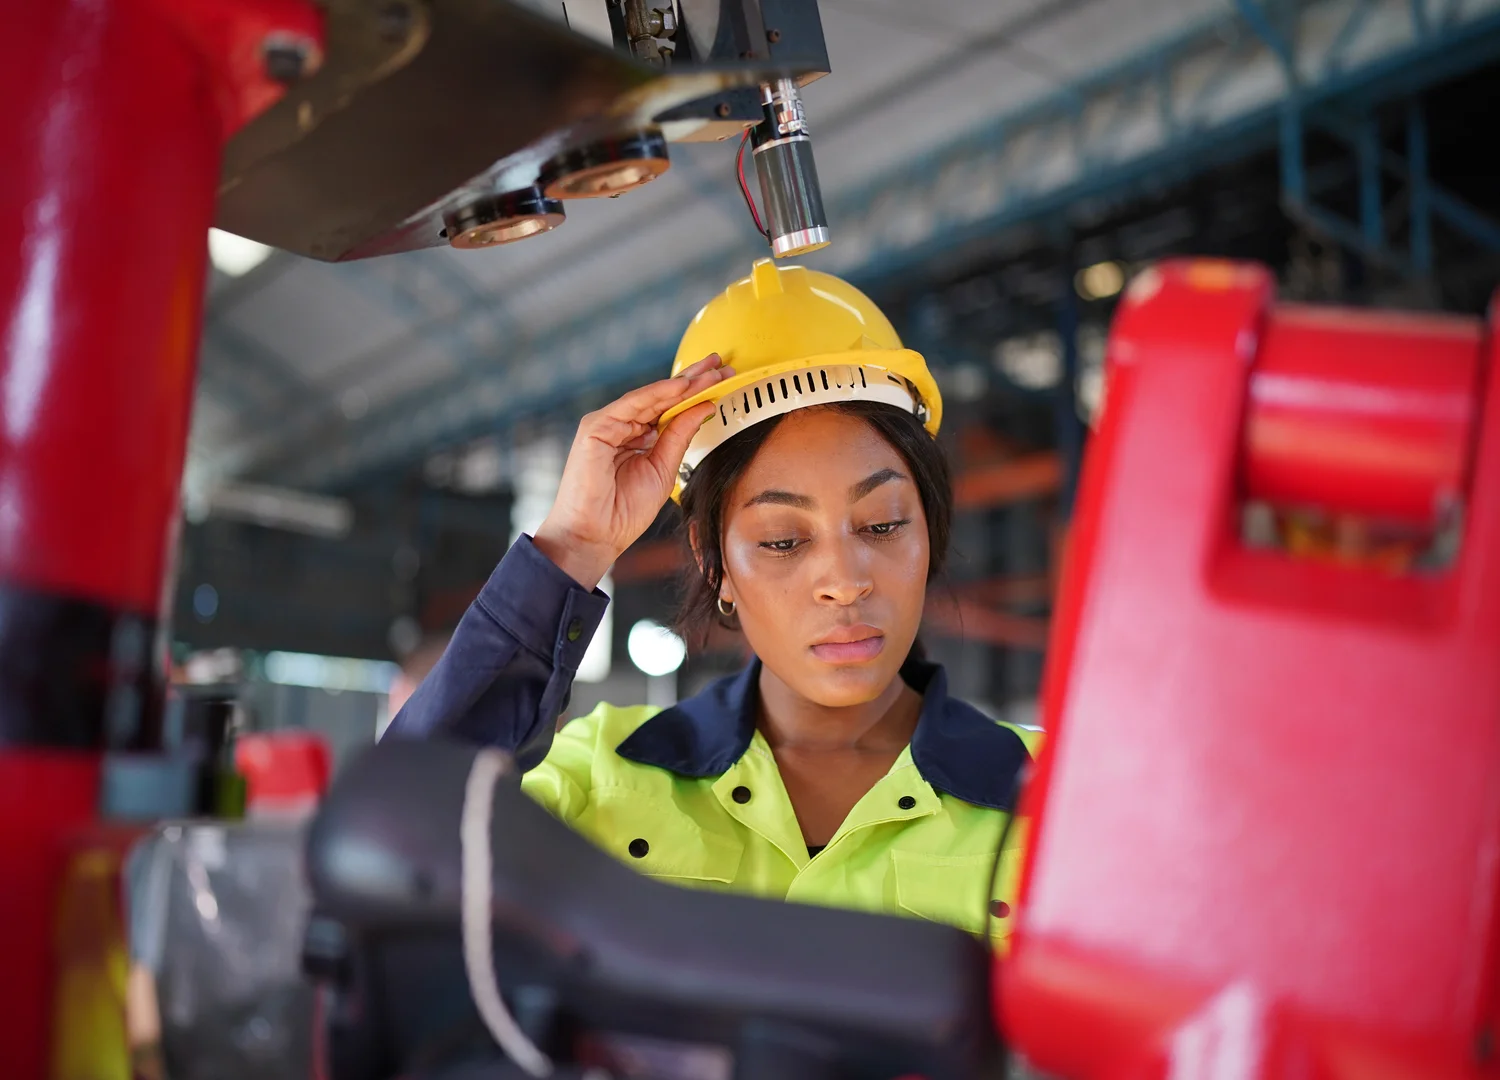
{"x":1100,"y":281}
{"x":279,"y":508}
{"x":1033,"y":362}
{"x":330,"y":672}
{"x":655,"y":649}
{"x":965,"y":382}
{"x":234,"y":255}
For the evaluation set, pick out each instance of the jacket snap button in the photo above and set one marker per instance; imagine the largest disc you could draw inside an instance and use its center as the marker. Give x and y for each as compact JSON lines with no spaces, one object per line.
{"x":741,"y":794}
{"x":999,"y":908}
{"x":639,"y":848}
{"x":575,"y":629}
{"x":907,"y":802}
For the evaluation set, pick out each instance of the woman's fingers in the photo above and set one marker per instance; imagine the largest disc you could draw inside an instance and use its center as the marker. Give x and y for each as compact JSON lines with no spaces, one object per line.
{"x":648,"y":403}
{"x":708,"y":363}
{"x":612,"y":431}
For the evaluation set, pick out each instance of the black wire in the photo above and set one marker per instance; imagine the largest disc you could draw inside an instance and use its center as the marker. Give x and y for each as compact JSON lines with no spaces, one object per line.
{"x":1010,"y":819}
{"x":739,"y":172}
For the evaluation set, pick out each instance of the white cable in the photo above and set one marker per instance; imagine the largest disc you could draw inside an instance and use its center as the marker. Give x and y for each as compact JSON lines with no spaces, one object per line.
{"x":476,"y":910}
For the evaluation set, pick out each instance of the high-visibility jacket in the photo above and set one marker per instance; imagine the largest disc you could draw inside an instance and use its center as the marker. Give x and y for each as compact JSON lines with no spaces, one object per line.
{"x":691,"y":794}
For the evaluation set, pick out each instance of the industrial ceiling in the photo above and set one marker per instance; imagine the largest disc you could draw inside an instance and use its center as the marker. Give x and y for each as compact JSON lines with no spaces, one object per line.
{"x":940,"y":124}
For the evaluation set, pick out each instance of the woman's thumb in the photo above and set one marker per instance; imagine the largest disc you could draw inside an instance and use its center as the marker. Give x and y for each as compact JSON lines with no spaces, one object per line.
{"x":670,"y":448}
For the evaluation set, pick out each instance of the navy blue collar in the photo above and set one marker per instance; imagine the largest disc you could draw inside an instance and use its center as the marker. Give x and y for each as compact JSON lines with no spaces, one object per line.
{"x":956,"y":748}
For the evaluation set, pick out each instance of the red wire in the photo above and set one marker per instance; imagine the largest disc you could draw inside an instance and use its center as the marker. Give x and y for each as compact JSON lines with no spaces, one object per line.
{"x":739,"y":172}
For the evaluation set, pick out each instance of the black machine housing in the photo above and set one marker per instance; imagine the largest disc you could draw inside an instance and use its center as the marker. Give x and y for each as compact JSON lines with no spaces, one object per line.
{"x":423,"y":107}
{"x":603,"y":967}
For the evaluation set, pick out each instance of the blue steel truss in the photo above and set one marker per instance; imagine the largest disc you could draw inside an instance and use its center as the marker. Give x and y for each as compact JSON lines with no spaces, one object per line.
{"x":1218,"y":92}
{"x":1427,"y":206}
{"x":1354,"y":123}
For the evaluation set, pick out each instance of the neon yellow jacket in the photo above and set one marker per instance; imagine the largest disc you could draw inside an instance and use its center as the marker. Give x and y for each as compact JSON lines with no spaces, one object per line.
{"x":692,"y":794}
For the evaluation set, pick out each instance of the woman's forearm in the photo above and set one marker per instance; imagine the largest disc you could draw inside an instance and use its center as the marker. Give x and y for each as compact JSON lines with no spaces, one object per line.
{"x":506,"y":675}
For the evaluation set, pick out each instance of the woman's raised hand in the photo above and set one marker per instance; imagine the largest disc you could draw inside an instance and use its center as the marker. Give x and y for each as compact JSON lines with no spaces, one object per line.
{"x":621,"y":470}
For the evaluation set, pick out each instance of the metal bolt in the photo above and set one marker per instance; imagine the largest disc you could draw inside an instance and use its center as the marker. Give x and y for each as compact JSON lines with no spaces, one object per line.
{"x":722,"y":109}
{"x":288,"y":59}
{"x":773,"y":36}
{"x":394,"y":22}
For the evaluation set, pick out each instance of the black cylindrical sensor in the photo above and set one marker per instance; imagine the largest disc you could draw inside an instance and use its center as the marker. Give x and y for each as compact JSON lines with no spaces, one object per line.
{"x":788,"y":175}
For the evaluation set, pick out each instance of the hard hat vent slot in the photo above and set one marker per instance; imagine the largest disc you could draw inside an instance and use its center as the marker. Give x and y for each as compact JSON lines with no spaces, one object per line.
{"x":840,"y":382}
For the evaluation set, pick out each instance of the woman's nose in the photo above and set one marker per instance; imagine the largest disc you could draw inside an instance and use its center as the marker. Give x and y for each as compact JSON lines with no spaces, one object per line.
{"x":843,"y":573}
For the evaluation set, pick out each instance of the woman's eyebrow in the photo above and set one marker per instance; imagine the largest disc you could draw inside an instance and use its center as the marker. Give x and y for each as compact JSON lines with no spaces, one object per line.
{"x":774,"y":497}
{"x":777,"y":497}
{"x":873,"y":481}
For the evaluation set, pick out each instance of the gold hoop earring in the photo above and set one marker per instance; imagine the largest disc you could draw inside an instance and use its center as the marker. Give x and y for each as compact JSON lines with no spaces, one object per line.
{"x":726,"y":608}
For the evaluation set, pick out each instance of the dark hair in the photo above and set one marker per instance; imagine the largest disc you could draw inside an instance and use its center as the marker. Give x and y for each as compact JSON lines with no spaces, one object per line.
{"x":704,"y":497}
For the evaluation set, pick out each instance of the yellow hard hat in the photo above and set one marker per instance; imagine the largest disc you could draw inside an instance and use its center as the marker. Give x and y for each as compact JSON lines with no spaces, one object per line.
{"x":797,"y":338}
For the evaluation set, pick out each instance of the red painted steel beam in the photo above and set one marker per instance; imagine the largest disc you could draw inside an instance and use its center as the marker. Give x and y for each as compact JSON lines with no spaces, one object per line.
{"x":1033,"y":476}
{"x":971,"y":620}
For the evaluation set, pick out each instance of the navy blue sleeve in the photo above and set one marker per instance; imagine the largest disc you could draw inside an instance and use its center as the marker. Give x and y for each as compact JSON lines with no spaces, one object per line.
{"x":507,"y":674}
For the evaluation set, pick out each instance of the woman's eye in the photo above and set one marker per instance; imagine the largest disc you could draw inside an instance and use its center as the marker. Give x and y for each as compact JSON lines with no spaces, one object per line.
{"x":784,"y":547}
{"x":888,"y":528}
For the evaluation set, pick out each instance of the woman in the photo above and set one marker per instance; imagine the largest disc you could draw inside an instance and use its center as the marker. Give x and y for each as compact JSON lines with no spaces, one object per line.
{"x":834,"y":769}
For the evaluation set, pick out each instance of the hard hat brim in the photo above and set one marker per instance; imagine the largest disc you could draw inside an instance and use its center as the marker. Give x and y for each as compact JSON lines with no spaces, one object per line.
{"x":905,"y":363}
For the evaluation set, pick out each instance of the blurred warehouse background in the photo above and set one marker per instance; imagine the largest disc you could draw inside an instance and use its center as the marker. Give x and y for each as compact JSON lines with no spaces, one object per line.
{"x":369,"y":437}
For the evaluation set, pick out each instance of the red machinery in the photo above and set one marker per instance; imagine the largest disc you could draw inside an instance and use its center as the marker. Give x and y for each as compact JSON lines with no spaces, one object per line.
{"x":286,"y":772}
{"x":1268,"y":828}
{"x":116,"y":113}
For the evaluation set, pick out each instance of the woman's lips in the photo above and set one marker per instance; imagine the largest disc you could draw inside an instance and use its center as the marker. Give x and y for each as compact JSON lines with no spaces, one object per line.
{"x":867,"y":644}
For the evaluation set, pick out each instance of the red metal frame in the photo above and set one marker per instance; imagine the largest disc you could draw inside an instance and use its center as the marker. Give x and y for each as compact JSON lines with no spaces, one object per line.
{"x":115,"y":116}
{"x":1268,"y":815}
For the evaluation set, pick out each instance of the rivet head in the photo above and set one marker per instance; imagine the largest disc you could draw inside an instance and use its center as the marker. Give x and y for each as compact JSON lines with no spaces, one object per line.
{"x":639,"y":849}
{"x":907,"y":802}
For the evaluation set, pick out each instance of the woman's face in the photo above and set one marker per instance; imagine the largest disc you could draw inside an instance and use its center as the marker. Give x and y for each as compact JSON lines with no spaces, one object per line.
{"x":825,"y":557}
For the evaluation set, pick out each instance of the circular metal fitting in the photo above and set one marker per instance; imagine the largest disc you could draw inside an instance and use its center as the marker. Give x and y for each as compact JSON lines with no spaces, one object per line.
{"x":800,"y":241}
{"x":607,"y":167}
{"x":503,"y":219}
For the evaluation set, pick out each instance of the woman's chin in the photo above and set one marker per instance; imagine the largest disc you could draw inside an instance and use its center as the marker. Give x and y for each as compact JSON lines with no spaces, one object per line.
{"x":843,"y":686}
